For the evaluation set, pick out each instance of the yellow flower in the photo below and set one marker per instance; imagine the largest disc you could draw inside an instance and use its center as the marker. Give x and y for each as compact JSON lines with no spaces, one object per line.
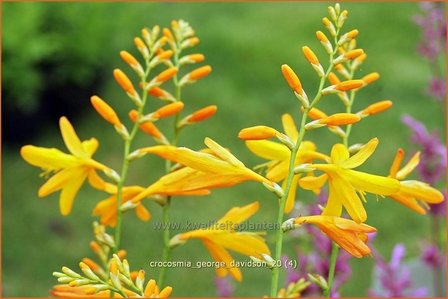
{"x":279,"y":156}
{"x":219,"y":168}
{"x":348,"y":234}
{"x":71,"y":170}
{"x":346,"y":186}
{"x":413,"y":194}
{"x":221,"y":236}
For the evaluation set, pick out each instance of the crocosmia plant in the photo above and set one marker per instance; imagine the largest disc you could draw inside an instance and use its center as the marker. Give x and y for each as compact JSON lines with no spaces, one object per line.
{"x":322,"y":194}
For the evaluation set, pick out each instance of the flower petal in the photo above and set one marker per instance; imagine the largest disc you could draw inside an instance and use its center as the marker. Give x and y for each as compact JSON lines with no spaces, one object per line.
{"x":222,"y":152}
{"x":249,"y":244}
{"x":372,"y":183}
{"x":334,"y":204}
{"x":90,"y":146}
{"x":290,"y":127}
{"x":70,"y":190}
{"x":344,"y":192}
{"x":269,"y":150}
{"x":409,"y":202}
{"x":339,"y":153}
{"x":58,"y":181}
{"x":47,"y":158}
{"x":361,"y":156}
{"x":292,"y":194}
{"x":312,"y":182}
{"x":236,"y":215}
{"x":142,"y":213}
{"x":409,"y":167}
{"x":71,"y":140}
{"x":422,"y":191}
{"x":219,"y":254}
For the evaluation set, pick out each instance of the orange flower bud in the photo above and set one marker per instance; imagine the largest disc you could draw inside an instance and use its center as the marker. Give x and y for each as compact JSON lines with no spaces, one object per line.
{"x":310,"y":56}
{"x":349,"y":85}
{"x":139,"y":43}
{"x":257,"y":133}
{"x":340,"y":119}
{"x":326,"y":22}
{"x":199,"y":72}
{"x":121,"y":254}
{"x":91,"y":264}
{"x":315,"y":114}
{"x":168,"y":110}
{"x":191,"y":42}
{"x":147,"y":127}
{"x":166,"y":74}
{"x":292,"y":79}
{"x":105,"y":110}
{"x":202,"y":114}
{"x":334,"y":80}
{"x":128,"y":58}
{"x":195,"y":57}
{"x":167,"y":33}
{"x":354,"y":53}
{"x":165,"y":55}
{"x":145,"y":33}
{"x":352,"y":34}
{"x":377,"y":107}
{"x":322,"y":37}
{"x":123,"y":81}
{"x":174,"y":24}
{"x":361,"y":57}
{"x":95,"y":247}
{"x":134,"y":275}
{"x":113,"y":268}
{"x":370,"y":78}
{"x":156,"y":92}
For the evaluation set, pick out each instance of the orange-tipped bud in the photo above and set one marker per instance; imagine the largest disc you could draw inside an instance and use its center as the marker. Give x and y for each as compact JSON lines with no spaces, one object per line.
{"x":334,"y":80}
{"x":145,"y":33}
{"x":165,"y":55}
{"x":191,"y":42}
{"x":361,"y":58}
{"x":315,"y":114}
{"x":292,"y":79}
{"x":121,"y":253}
{"x":340,"y":119}
{"x":134,"y":275}
{"x":147,"y":127}
{"x":352,"y":34}
{"x":95,"y":247}
{"x":174,"y":24}
{"x":166,"y":74}
{"x":128,"y":58}
{"x":140,"y":44}
{"x":349,"y":85}
{"x":168,"y":110}
{"x":310,"y":56}
{"x":202,"y":114}
{"x":91,"y":264}
{"x":141,"y":274}
{"x":377,"y":107}
{"x":199,"y":73}
{"x":396,"y":163}
{"x":354,"y":53}
{"x":105,"y":110}
{"x":326,"y":22}
{"x":193,"y":58}
{"x":123,"y":81}
{"x":165,"y":292}
{"x":257,"y":133}
{"x":156,"y":92}
{"x":322,"y":37}
{"x":167,"y":33}
{"x":370,"y":78}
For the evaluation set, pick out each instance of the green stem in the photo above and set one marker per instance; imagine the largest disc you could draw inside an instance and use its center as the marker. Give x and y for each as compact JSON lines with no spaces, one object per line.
{"x":166,"y":208}
{"x":331,"y":271}
{"x":437,"y":271}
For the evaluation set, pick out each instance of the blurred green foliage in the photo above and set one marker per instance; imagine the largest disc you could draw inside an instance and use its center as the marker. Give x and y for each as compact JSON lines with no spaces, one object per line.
{"x":245,"y":43}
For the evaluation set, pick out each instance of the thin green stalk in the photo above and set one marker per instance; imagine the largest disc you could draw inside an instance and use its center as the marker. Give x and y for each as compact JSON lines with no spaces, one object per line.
{"x":437,"y":271}
{"x":165,"y":213}
{"x":282,"y":203}
{"x":126,"y":152}
{"x":331,"y":271}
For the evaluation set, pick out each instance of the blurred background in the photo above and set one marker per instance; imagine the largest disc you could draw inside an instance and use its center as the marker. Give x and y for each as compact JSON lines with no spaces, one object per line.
{"x":56,"y":55}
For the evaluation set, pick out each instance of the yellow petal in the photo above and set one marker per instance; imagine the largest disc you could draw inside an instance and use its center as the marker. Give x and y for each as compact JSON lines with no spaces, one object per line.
{"x":90,"y":146}
{"x":343,"y":191}
{"x":142,"y":213}
{"x":222,"y":152}
{"x":409,"y":202}
{"x":98,"y":183}
{"x":47,"y":158}
{"x":409,"y":167}
{"x":422,"y":191}
{"x":71,"y":140}
{"x":312,"y":182}
{"x":290,"y":127}
{"x":349,"y":225}
{"x":269,"y":150}
{"x":249,"y":244}
{"x":334,"y":205}
{"x":278,"y":172}
{"x":70,"y":190}
{"x":58,"y":181}
{"x":362,"y":155}
{"x":219,"y":254}
{"x":292,"y":194}
{"x":339,"y":153}
{"x":236,"y":215}
{"x":372,"y":183}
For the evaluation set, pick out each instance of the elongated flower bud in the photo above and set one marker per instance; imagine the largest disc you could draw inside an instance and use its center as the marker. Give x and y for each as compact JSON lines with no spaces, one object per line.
{"x":202,"y":114}
{"x":348,"y":36}
{"x":196,"y":74}
{"x":324,"y":41}
{"x":166,"y":75}
{"x":292,"y":79}
{"x":124,"y":81}
{"x":349,"y":55}
{"x":257,"y":133}
{"x":105,"y":110}
{"x":338,"y":119}
{"x":312,"y":58}
{"x":192,"y":58}
{"x":147,"y":127}
{"x":333,"y":79}
{"x":349,"y":85}
{"x":370,"y":78}
{"x":161,"y":94}
{"x":191,"y":42}
{"x":167,"y":33}
{"x":140,"y":45}
{"x":377,"y":107}
{"x":330,"y":27}
{"x":168,"y":110}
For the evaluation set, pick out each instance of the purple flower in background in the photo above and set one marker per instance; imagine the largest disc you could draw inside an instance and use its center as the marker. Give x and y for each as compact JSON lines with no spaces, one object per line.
{"x":394,"y":278}
{"x":437,"y":88}
{"x":224,"y":287}
{"x":432,"y":257}
{"x":433,"y":151}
